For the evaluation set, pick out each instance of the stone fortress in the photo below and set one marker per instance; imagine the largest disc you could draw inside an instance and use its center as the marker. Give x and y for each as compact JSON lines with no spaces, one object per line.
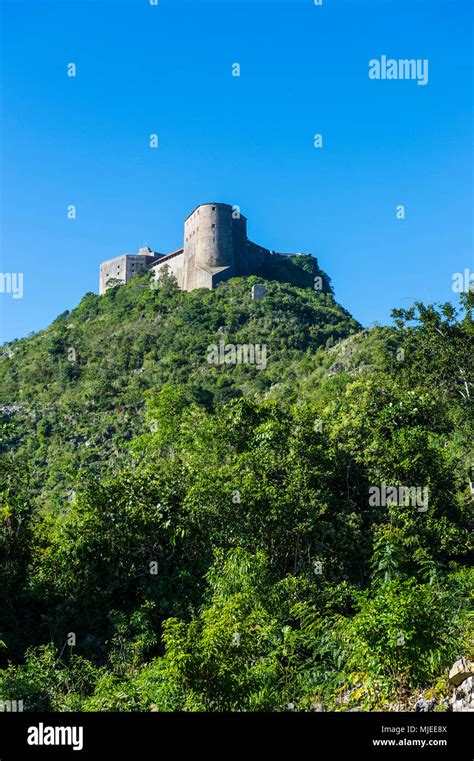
{"x":215,"y":248}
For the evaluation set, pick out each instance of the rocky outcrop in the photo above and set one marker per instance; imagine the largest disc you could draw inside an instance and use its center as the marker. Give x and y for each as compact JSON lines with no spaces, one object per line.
{"x":463,"y":696}
{"x":461,"y":677}
{"x":423,"y":705}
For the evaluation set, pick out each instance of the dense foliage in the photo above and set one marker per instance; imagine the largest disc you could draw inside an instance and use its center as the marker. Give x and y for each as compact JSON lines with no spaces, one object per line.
{"x":176,"y":535}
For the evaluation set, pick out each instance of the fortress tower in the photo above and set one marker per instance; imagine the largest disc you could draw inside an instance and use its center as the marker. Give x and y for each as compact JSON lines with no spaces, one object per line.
{"x":215,"y":245}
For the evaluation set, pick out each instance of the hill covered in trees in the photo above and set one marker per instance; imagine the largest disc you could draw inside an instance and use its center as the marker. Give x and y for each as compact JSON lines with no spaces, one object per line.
{"x":182,"y":535}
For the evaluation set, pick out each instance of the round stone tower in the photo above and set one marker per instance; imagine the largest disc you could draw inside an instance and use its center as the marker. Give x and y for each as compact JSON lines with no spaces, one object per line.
{"x":215,"y":245}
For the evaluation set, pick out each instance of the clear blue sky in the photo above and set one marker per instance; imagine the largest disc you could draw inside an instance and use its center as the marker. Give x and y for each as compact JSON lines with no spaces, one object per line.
{"x":249,"y":141}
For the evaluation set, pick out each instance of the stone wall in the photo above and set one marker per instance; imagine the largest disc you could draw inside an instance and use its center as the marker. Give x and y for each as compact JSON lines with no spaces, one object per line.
{"x":174,"y":265}
{"x":123,"y":268}
{"x":112,"y":270}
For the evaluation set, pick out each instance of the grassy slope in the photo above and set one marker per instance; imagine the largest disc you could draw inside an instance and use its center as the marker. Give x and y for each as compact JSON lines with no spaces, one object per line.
{"x":64,"y":414}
